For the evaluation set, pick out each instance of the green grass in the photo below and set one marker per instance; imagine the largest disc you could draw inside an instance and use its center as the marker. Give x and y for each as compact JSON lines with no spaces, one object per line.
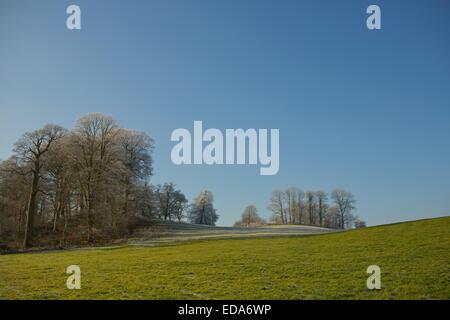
{"x":414,"y":259}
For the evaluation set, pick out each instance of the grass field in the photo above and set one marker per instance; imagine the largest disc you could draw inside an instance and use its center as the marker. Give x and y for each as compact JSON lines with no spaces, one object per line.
{"x":414,"y":258}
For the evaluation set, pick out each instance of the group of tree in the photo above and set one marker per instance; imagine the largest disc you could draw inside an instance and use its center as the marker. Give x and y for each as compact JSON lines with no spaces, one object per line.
{"x":293,"y":206}
{"x":85,"y":185}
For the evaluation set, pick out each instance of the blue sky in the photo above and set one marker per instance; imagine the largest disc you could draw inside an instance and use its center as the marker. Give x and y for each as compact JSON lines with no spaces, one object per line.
{"x":367,"y":111}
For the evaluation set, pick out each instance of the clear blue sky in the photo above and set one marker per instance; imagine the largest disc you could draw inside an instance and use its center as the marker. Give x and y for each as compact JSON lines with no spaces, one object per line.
{"x":367,"y":111}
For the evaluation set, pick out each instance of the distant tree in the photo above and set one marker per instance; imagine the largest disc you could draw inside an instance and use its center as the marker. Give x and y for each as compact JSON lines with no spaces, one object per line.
{"x":135,"y":150}
{"x":179,"y":212}
{"x":277,"y":206}
{"x":311,"y":207}
{"x":250,"y":217}
{"x":332,"y":219}
{"x":299,"y":207}
{"x":322,"y":206}
{"x":179,"y":206}
{"x":344,"y":202}
{"x":290,"y":196}
{"x":293,"y":206}
{"x":146,"y":200}
{"x":202,"y":209}
{"x":238,"y":224}
{"x":170,"y":202}
{"x":360,"y":224}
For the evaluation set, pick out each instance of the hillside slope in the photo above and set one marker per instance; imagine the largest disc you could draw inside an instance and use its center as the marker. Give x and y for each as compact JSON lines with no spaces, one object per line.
{"x":169,"y":232}
{"x":414,"y":258}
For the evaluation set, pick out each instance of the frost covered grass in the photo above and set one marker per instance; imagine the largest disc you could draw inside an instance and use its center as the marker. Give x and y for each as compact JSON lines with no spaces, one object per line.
{"x":414,"y":259}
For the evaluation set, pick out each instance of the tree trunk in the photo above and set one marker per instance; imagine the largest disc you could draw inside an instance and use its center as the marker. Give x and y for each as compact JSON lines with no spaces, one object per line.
{"x":31,"y":210}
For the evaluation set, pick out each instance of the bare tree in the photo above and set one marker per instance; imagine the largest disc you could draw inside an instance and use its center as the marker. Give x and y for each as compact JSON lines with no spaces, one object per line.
{"x":170,"y":202}
{"x":332,"y":219}
{"x":322,"y":206}
{"x":299,"y":207}
{"x":135,"y":149}
{"x":94,"y":156}
{"x":30,"y":150}
{"x":14,"y":194}
{"x":250,"y":216}
{"x":344,"y":202}
{"x":277,"y":206}
{"x":60,"y":183}
{"x":311,"y":206}
{"x":146,"y":205}
{"x":290,"y":196}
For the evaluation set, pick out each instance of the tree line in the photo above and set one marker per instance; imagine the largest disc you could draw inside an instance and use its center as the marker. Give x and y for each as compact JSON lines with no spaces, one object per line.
{"x":293,"y":206}
{"x":86,"y":185}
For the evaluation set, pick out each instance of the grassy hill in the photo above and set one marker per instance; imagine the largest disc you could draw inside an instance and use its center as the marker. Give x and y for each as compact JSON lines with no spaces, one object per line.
{"x":414,"y":258}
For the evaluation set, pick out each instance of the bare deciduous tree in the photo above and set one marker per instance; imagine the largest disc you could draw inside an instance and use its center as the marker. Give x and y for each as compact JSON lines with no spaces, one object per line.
{"x":332,"y":219}
{"x":30,"y":150}
{"x":345,"y":204}
{"x":94,"y":156}
{"x":170,"y":202}
{"x":311,"y":206}
{"x":250,"y":217}
{"x":322,"y":206}
{"x":277,"y":206}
